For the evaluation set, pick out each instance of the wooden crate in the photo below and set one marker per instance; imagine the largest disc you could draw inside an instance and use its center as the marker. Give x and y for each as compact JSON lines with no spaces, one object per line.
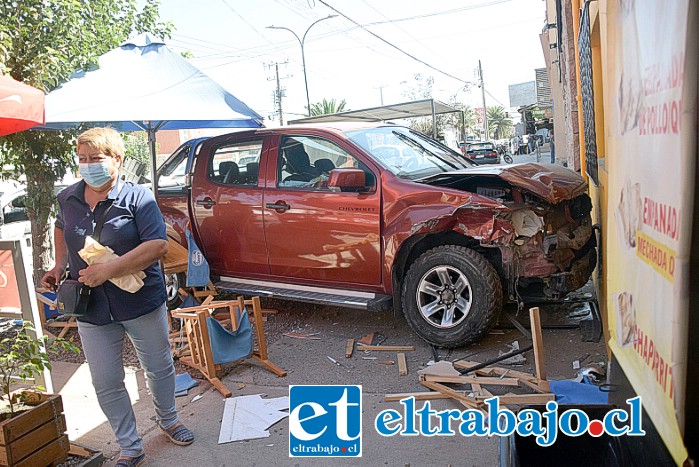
{"x":35,"y":438}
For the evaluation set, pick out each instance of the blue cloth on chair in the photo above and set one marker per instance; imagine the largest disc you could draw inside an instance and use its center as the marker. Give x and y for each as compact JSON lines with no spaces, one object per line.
{"x":184,"y":383}
{"x":189,"y":301}
{"x":571,"y":392}
{"x":197,"y":266}
{"x":229,"y":346}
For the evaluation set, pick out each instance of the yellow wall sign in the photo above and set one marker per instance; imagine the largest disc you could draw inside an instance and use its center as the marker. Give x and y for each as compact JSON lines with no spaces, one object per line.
{"x":657,"y":255}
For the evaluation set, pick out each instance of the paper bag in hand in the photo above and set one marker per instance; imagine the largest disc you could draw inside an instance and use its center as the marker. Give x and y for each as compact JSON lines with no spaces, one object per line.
{"x":95,"y":253}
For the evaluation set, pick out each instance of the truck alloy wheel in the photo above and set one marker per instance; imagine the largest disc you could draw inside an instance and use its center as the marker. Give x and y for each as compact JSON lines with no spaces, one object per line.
{"x":451,"y":296}
{"x":173,"y":282}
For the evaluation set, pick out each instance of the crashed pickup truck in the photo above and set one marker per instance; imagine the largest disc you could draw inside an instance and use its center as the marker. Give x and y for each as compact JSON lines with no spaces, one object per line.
{"x":378,"y":216}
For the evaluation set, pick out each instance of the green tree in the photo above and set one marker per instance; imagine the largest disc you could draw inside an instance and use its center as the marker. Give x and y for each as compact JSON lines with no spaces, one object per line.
{"x":41,"y":43}
{"x":422,"y":89}
{"x":499,"y":124}
{"x":454,"y":119}
{"x":136,"y":143}
{"x":327,"y":107}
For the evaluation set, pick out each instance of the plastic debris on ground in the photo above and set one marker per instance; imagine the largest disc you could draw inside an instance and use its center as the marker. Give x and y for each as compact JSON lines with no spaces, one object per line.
{"x":183,"y":383}
{"x":515,"y":359}
{"x":250,"y":417}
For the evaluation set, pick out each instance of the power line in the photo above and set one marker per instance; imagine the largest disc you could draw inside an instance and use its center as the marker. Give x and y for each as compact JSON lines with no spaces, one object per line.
{"x":394,"y":46}
{"x":445,"y":12}
{"x":400,"y":28}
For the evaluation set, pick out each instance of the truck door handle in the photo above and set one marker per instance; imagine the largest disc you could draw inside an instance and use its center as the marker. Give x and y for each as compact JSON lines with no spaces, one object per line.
{"x":206,"y":202}
{"x":278,"y":206}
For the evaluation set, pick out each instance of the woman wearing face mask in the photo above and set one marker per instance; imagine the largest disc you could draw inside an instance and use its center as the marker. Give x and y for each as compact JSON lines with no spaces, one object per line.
{"x":134,"y":228}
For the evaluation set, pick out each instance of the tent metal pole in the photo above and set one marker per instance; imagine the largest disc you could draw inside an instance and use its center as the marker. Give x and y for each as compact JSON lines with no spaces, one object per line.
{"x":151,"y":145}
{"x":434,"y":120}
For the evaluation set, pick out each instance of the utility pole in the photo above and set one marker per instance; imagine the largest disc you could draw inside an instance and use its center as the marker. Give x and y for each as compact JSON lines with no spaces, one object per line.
{"x":279,"y":92}
{"x":485,"y":109}
{"x":302,"y":42}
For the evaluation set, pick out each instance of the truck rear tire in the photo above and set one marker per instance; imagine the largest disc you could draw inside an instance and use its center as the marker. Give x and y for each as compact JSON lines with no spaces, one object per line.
{"x":451,"y":296}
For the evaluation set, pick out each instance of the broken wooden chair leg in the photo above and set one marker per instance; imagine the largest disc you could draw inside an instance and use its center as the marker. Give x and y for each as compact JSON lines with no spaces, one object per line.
{"x":261,"y":353}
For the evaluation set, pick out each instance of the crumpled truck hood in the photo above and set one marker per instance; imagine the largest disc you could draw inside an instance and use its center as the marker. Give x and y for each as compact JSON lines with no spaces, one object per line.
{"x":553,"y":183}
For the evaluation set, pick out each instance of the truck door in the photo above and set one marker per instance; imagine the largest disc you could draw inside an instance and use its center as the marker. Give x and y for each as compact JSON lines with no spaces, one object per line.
{"x":312,"y":232}
{"x":227,"y":206}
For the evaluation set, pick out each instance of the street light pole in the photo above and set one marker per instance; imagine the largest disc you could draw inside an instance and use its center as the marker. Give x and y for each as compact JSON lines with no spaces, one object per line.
{"x":302,"y":42}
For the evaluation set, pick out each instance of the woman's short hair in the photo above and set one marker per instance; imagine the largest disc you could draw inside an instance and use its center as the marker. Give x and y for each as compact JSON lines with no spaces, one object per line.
{"x":105,"y":139}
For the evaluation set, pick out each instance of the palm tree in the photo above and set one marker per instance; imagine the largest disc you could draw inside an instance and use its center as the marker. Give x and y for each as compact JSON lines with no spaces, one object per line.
{"x":327,"y":107}
{"x":499,"y":124}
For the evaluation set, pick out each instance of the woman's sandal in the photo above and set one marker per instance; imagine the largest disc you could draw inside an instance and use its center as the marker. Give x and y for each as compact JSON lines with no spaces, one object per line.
{"x":179,"y":434}
{"x":130,"y":461}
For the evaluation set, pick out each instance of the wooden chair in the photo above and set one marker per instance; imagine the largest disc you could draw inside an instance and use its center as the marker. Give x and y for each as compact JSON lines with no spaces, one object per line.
{"x":200,"y":356}
{"x":197,"y":333}
{"x":255,"y":312}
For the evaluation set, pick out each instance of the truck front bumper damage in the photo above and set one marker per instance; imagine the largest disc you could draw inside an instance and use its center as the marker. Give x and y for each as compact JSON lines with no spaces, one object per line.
{"x":580,"y":271}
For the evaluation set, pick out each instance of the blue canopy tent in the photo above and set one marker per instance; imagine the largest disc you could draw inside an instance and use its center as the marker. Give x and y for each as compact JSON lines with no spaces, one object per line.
{"x":143,"y":85}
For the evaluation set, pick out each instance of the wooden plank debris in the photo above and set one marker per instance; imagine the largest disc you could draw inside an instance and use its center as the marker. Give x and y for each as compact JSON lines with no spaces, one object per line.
{"x":465,"y":400}
{"x":388,"y":348}
{"x":535,"y":321}
{"x":471,"y":380}
{"x":366,"y":340}
{"x":402,"y":364}
{"x":349,"y":348}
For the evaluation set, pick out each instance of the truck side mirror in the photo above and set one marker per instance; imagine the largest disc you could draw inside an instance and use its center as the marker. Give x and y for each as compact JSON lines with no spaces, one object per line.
{"x":352,"y":180}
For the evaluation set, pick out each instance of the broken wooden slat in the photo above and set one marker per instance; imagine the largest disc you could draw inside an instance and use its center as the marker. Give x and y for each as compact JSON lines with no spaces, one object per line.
{"x":469,"y":402}
{"x":349,"y":348}
{"x":391,"y":348}
{"x":539,"y":386}
{"x":535,"y":321}
{"x":471,"y":380}
{"x":402,"y":364}
{"x":477,"y":389}
{"x":492,"y":371}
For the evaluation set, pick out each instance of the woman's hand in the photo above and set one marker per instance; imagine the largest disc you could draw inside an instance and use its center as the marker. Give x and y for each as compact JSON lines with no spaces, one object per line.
{"x":95,"y":275}
{"x":52,"y":278}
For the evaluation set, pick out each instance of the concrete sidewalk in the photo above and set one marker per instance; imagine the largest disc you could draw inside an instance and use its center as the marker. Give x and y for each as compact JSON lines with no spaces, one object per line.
{"x":306,"y":362}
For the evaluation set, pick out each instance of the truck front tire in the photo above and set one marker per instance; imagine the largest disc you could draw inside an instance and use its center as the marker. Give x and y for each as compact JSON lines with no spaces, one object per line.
{"x":173,"y":282}
{"x":451,"y":296}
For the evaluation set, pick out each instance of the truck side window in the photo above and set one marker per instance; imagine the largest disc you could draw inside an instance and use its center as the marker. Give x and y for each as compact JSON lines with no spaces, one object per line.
{"x":173,"y":171}
{"x":305,"y":162}
{"x":236,"y":163}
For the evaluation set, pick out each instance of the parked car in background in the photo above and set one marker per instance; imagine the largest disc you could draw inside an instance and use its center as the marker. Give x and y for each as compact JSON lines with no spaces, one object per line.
{"x":14,"y":222}
{"x":378,"y":217}
{"x":481,"y":152}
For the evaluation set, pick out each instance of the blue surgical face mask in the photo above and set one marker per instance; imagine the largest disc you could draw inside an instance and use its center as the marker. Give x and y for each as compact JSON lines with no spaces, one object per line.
{"x":95,"y":174}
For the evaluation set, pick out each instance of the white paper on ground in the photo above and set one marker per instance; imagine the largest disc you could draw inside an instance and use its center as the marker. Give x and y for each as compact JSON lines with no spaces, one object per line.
{"x":249,"y":417}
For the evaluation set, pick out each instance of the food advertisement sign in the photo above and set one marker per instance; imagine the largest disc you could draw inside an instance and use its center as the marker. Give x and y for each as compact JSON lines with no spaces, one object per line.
{"x":651,"y":181}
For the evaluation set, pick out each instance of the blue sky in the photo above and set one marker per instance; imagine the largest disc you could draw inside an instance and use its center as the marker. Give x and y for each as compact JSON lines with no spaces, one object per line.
{"x":232,"y":44}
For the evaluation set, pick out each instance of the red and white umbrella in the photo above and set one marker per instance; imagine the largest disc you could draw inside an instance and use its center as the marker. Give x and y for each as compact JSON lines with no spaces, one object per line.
{"x":21,"y":106}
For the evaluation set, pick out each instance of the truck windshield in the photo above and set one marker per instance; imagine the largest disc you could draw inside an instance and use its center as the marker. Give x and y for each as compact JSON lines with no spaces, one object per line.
{"x":407,"y":153}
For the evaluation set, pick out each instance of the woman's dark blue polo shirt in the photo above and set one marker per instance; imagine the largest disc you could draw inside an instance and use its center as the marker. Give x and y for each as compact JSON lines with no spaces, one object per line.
{"x":133,"y":219}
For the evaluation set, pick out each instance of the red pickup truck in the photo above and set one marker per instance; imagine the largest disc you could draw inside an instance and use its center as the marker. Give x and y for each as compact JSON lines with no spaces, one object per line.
{"x":378,"y":216}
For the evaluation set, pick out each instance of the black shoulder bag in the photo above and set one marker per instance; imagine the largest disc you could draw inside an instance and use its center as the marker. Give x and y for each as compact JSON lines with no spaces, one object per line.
{"x":73,"y":295}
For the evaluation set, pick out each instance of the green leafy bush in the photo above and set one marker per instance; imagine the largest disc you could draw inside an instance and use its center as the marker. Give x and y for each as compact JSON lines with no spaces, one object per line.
{"x":25,"y":356}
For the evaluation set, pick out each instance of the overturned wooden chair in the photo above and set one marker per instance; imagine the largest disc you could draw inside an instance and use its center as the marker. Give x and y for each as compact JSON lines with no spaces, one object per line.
{"x":200,"y":354}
